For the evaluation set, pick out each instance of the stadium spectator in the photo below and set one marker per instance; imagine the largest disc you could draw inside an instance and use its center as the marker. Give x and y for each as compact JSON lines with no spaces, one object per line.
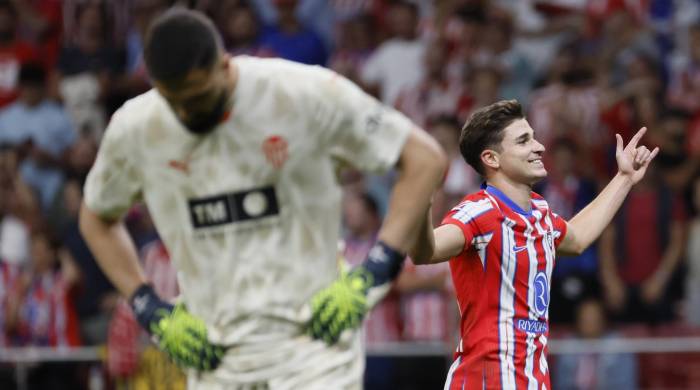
{"x":13,"y":53}
{"x":483,"y":85}
{"x":135,"y":78}
{"x":41,"y":311}
{"x":568,"y":191}
{"x":591,"y":370}
{"x":319,"y":16}
{"x":40,"y":22}
{"x":496,"y":50}
{"x":622,"y":38}
{"x":641,"y":250}
{"x":14,"y":230}
{"x":684,"y":89}
{"x":435,"y":94}
{"x":355,"y":44}
{"x":464,"y":33}
{"x":291,"y":39}
{"x":43,"y":128}
{"x":87,"y":69}
{"x":678,"y":162}
{"x":240,"y":29}
{"x":398,"y":62}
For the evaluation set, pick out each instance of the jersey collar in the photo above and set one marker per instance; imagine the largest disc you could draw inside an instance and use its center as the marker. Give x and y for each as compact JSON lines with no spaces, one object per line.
{"x":505,"y":199}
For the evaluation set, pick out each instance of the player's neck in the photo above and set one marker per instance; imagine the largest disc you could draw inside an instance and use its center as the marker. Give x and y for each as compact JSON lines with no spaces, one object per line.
{"x":517,"y":192}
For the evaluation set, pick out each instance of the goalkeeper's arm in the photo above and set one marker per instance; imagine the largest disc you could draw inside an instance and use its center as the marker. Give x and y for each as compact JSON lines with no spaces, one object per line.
{"x":421,"y":166}
{"x":179,"y":334}
{"x":342,"y":305}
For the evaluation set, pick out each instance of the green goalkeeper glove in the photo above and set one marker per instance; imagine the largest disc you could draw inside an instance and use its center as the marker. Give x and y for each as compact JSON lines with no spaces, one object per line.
{"x":340,"y":306}
{"x":178,"y":333}
{"x":344,"y":303}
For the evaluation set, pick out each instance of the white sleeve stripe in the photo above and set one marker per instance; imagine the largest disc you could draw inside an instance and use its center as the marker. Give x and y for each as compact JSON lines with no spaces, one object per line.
{"x":471,"y":210}
{"x":540,"y":203}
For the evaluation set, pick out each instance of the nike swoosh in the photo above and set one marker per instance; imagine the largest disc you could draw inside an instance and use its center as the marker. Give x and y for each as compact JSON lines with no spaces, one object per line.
{"x":517,"y":249}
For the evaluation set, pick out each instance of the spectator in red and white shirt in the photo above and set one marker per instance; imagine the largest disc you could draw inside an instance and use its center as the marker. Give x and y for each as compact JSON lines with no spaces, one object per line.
{"x":426,"y":303}
{"x":41,"y":311}
{"x":435,"y":94}
{"x":398,"y":62}
{"x":9,"y":276}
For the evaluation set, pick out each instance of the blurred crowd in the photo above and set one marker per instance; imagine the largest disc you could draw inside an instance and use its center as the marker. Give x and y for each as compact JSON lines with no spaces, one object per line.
{"x":584,"y":70}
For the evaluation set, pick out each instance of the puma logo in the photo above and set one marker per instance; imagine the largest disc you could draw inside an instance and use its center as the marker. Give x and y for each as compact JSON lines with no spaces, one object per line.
{"x":182,"y":166}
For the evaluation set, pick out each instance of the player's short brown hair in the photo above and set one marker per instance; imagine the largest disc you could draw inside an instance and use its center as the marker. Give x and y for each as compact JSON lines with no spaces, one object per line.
{"x":484,"y":129}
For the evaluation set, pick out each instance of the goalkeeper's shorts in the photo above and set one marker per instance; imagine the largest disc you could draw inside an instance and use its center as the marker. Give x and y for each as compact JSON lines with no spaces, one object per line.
{"x":294,"y":363}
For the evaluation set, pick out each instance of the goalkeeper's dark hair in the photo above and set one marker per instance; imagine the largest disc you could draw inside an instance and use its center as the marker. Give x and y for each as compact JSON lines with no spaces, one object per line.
{"x":179,"y":41}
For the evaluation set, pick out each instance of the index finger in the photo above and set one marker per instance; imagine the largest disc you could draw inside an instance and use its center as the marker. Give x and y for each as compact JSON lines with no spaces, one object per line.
{"x":635,"y":140}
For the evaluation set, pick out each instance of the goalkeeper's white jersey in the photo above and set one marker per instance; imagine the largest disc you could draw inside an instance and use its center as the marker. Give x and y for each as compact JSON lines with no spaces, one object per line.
{"x":250,"y":213}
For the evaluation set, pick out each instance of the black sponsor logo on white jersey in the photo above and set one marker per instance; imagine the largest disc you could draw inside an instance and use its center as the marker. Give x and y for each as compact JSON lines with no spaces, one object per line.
{"x":233,"y":207}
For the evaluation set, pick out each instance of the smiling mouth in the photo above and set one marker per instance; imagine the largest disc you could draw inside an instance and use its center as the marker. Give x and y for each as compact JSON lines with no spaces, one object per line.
{"x":536,"y":161}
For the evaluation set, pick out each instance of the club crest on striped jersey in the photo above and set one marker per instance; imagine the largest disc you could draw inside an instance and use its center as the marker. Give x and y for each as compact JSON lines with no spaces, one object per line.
{"x":275,"y":149}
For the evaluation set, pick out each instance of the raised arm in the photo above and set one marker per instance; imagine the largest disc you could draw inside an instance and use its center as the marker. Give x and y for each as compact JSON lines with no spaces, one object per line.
{"x":586,"y":226}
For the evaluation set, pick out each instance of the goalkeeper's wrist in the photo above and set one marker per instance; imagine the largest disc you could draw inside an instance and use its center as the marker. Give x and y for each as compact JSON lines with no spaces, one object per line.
{"x":145,"y":302}
{"x":383,"y":262}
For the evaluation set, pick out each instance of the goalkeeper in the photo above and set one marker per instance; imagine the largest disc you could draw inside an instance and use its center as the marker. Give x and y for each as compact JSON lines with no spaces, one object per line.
{"x":236,"y":159}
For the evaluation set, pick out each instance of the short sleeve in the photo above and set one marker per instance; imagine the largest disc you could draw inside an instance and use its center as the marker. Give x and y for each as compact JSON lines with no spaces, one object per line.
{"x":560,"y":227}
{"x":114,"y":182}
{"x":356,"y":128}
{"x":467,"y":216}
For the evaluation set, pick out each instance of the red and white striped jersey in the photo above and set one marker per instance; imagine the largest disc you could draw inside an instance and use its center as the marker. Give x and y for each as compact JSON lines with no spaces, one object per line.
{"x":502,"y":280}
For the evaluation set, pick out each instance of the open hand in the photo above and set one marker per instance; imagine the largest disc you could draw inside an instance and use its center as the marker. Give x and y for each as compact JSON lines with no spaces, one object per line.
{"x":633,"y":160}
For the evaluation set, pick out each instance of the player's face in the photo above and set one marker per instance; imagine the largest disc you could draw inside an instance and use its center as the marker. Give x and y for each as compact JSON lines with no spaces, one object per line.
{"x":520,"y":158}
{"x":201,"y":99}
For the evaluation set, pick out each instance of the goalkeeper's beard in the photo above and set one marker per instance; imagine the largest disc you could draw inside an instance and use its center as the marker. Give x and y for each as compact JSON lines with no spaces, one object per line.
{"x":201,"y":124}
